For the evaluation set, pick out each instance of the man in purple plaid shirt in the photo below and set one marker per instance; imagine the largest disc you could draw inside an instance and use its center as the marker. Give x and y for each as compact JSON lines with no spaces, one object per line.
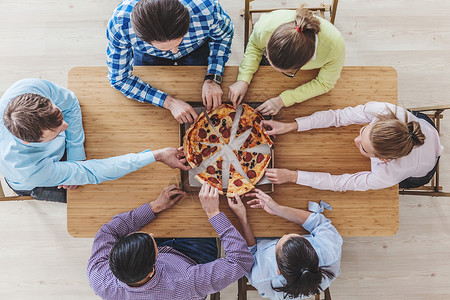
{"x":168,"y":32}
{"x":126,"y":264}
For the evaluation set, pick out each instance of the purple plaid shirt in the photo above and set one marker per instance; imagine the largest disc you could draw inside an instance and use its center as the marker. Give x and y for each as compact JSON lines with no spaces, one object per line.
{"x":177,"y":276}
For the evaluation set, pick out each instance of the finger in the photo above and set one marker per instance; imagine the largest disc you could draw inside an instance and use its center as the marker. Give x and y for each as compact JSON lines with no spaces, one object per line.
{"x":241,"y":97}
{"x":178,"y":198}
{"x":182,"y":119}
{"x":188,"y":117}
{"x":250,"y":195}
{"x":194,"y":114}
{"x":261,"y":107}
{"x":183,"y":161}
{"x":216,"y":192}
{"x":184,"y":167}
{"x":202,"y":189}
{"x":179,"y":120}
{"x":238,"y":199}
{"x":253,"y":202}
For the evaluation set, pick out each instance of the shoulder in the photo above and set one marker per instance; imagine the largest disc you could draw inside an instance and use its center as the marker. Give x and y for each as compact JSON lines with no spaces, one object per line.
{"x":330,"y":35}
{"x":27,"y":85}
{"x":121,"y":17}
{"x":201,"y":7}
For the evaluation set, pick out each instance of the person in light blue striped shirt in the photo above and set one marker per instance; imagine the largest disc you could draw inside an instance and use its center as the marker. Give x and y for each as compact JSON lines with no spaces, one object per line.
{"x":41,"y":122}
{"x":168,"y":32}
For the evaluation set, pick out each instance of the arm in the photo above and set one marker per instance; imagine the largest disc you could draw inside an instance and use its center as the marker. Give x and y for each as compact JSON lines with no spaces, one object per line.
{"x":120,"y":66}
{"x":323,"y":83}
{"x":239,"y":210}
{"x":68,"y":103}
{"x":215,"y":276}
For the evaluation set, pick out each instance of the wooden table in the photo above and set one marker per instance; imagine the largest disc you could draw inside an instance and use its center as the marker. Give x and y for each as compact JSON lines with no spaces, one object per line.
{"x":115,"y":125}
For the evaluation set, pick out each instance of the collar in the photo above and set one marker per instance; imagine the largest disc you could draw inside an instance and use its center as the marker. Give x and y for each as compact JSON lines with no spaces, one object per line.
{"x":153,"y":282}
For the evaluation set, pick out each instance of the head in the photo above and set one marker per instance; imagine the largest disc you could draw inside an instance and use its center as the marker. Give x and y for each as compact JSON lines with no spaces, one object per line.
{"x":162,"y":23}
{"x":132,"y":259}
{"x":299,"y":264}
{"x":389,"y":138}
{"x":293,"y":44}
{"x":33,"y":118}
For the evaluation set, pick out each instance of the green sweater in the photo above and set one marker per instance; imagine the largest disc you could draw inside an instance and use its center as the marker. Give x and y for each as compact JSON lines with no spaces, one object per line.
{"x":330,"y":55}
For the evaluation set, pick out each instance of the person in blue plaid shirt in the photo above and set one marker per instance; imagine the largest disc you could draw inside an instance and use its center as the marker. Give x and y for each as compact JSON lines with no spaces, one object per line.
{"x":168,"y":32}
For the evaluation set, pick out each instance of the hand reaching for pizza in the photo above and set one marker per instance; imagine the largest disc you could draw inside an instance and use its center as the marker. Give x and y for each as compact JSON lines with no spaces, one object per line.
{"x":211,"y":95}
{"x":209,"y":197}
{"x":169,"y":197}
{"x":237,"y":207}
{"x":174,"y":158}
{"x":279,"y":176}
{"x":181,"y":111}
{"x":237,"y":91}
{"x":264,"y":201}
{"x":272,"y":127}
{"x":271,"y":106}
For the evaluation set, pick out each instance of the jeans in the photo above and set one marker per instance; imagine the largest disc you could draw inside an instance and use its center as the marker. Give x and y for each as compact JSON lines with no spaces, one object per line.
{"x":202,"y":250}
{"x":198,"y":57}
{"x":415,"y":182}
{"x":52,"y":194}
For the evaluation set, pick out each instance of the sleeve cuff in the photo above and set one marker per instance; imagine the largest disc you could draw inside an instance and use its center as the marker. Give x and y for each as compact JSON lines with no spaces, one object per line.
{"x":147,"y":157}
{"x":220,"y":223}
{"x":304,"y":123}
{"x":304,"y":178}
{"x":253,"y":249}
{"x":76,"y":154}
{"x":245,"y":77}
{"x":145,"y":214}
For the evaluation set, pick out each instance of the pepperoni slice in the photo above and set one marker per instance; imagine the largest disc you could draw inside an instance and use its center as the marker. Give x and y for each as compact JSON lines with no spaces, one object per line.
{"x":219,"y":165}
{"x":198,"y":159}
{"x":226,"y":133}
{"x":247,"y":157}
{"x":213,"y":149}
{"x":259,"y":158}
{"x":251,"y":174}
{"x":221,"y":129}
{"x":254,"y":130}
{"x":206,"y":151}
{"x":232,"y":115}
{"x":215,"y":119}
{"x":213,"y":180}
{"x":237,"y":182}
{"x":213,"y":138}
{"x":210,"y":170}
{"x":202,"y":133}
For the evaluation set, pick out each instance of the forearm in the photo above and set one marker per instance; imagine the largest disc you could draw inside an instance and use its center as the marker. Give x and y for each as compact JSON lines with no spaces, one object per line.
{"x":246,"y":232}
{"x":298,"y":216}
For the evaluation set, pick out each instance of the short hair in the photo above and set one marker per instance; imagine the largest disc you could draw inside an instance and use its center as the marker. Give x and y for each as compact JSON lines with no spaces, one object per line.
{"x":299,"y":264}
{"x":27,"y":116}
{"x":292,"y":45}
{"x":392,"y":138}
{"x":133,"y":257}
{"x":160,"y":20}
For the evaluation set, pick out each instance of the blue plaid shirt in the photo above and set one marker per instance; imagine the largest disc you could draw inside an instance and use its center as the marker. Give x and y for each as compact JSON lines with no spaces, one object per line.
{"x":208,"y":21}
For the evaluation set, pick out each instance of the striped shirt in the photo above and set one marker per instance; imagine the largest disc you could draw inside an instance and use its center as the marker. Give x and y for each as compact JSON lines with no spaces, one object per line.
{"x":208,"y":21}
{"x":176,"y":275}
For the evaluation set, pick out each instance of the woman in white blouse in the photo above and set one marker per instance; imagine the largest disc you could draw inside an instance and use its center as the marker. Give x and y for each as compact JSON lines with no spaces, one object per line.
{"x":403,"y":148}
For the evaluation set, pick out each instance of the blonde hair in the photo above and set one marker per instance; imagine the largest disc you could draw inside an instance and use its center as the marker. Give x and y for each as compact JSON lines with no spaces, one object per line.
{"x":392,"y":138}
{"x":293,"y":44}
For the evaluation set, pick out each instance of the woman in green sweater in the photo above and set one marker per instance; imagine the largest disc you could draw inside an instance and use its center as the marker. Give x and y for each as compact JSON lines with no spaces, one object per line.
{"x":293,"y":40}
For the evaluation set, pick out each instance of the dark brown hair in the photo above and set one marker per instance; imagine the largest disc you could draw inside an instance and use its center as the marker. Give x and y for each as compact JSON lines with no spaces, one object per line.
{"x":26,"y":116}
{"x":293,"y":44}
{"x":392,"y":138}
{"x":160,"y":20}
{"x":299,"y":264}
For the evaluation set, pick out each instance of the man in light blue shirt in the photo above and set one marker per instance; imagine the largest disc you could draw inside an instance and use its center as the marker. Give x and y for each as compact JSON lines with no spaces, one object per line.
{"x":42,"y":122}
{"x":294,"y":266}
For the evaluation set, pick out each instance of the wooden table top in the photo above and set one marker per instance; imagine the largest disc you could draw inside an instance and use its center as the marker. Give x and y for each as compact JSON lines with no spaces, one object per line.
{"x":115,"y":125}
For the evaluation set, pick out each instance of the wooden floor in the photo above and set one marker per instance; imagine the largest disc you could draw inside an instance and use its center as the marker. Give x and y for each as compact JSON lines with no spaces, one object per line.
{"x":39,"y":260}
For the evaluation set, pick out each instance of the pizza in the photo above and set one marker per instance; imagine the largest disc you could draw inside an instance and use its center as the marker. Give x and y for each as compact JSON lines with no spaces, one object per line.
{"x":207,"y":143}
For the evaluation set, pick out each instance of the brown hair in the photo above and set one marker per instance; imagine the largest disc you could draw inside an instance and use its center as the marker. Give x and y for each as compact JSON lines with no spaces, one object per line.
{"x":160,"y":20}
{"x":392,"y":138}
{"x":293,"y":44}
{"x":26,"y":116}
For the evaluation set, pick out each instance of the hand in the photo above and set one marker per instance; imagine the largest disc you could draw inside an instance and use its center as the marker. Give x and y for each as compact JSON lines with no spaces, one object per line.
{"x":237,"y":207}
{"x":209,"y":197}
{"x":181,"y":111}
{"x":236,"y":92}
{"x":271,"y":106}
{"x":67,"y":187}
{"x":272,"y":127}
{"x":211,"y":95}
{"x":169,"y":196}
{"x":264,"y":201}
{"x":174,"y":158}
{"x":279,"y":176}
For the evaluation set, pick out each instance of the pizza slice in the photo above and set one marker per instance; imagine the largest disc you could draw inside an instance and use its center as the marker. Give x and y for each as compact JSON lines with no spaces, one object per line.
{"x":196,"y":153}
{"x":256,"y":137}
{"x":254,"y":164}
{"x":248,"y":117}
{"x":212,"y":175}
{"x":237,"y":184}
{"x":201,"y":131}
{"x":222,"y":119}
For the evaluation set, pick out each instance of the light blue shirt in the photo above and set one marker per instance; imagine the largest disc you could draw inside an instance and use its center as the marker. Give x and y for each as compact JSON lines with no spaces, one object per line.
{"x":325,"y":240}
{"x":26,"y":166}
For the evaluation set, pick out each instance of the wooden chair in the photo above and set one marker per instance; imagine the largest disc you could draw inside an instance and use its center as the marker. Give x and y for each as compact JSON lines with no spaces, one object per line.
{"x":248,"y":12}
{"x":433,"y":188}
{"x":244,"y":286}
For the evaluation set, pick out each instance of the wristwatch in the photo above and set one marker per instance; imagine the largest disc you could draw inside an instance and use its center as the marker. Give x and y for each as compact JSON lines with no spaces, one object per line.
{"x":214,"y":77}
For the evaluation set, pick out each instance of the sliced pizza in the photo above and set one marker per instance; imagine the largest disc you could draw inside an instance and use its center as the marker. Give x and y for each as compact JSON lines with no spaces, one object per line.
{"x":212,"y":175}
{"x":256,"y":137}
{"x":222,"y":119}
{"x":254,"y":164}
{"x":248,"y":119}
{"x":237,"y":184}
{"x":198,"y":152}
